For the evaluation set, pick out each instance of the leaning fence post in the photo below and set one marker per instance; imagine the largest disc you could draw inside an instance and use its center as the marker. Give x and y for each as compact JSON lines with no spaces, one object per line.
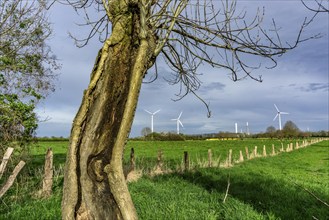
{"x":209,"y":158}
{"x":5,"y":159}
{"x":273,"y":150}
{"x":255,"y":151}
{"x":186,"y":161}
{"x":12,"y":178}
{"x":47,"y":182}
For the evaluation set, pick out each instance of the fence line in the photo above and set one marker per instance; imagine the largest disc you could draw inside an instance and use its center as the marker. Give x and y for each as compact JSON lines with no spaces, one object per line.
{"x":187,"y":164}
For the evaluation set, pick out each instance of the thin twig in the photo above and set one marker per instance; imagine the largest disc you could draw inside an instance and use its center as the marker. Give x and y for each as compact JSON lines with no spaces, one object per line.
{"x":227,"y":188}
{"x":312,"y":194}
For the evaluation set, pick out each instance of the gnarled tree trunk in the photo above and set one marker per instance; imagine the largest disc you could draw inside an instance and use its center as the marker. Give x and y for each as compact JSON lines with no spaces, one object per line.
{"x":94,"y":183}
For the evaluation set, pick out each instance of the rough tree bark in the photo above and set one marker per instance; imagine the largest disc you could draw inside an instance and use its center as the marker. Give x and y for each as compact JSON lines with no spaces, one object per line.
{"x":94,"y":178}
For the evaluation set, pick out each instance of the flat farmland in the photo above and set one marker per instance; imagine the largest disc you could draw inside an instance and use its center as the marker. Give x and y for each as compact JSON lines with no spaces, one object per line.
{"x":146,"y":152}
{"x":290,"y":185}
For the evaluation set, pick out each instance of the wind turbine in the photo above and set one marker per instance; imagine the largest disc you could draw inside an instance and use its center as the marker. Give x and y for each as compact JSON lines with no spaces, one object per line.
{"x":178,"y":122}
{"x":247,"y":128}
{"x":152,"y":114}
{"x":279,"y":114}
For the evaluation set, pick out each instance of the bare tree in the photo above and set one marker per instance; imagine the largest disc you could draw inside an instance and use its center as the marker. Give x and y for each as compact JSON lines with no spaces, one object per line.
{"x":137,"y":33}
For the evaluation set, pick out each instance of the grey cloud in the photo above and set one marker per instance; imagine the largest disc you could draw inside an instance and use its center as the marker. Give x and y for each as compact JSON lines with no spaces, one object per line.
{"x":314,"y":87}
{"x":215,"y":86}
{"x":298,"y":84}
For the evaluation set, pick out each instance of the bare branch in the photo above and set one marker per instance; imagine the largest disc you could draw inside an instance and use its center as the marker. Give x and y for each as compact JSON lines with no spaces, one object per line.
{"x":191,"y":33}
{"x":319,"y":5}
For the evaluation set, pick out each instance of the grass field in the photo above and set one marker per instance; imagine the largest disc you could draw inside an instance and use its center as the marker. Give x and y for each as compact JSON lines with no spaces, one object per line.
{"x":263,"y":188}
{"x":146,"y":152}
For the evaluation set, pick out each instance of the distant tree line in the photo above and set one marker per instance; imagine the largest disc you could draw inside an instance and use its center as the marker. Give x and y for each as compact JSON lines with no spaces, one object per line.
{"x":289,"y":131}
{"x":53,"y":138}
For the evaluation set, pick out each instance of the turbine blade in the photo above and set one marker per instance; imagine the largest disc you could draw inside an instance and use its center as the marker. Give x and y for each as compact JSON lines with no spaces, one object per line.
{"x":180,"y":123}
{"x":276,"y":108}
{"x":180,"y":115}
{"x":156,"y":112}
{"x":148,"y":111}
{"x":275,"y":117}
{"x":285,"y":113}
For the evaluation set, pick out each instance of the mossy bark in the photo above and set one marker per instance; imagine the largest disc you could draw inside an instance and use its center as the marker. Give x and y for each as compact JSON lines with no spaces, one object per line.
{"x":94,"y":182}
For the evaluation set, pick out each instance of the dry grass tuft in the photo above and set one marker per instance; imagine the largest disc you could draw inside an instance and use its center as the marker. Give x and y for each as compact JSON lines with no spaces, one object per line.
{"x":134,"y":175}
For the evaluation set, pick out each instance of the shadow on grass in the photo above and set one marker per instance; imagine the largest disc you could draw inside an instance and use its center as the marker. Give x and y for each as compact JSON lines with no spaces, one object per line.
{"x":264,"y":193}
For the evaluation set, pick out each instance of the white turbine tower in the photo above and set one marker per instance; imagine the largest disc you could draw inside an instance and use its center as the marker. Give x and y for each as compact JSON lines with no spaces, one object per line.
{"x":152,"y":114}
{"x":279,"y":114}
{"x":247,"y":128}
{"x":178,"y":122}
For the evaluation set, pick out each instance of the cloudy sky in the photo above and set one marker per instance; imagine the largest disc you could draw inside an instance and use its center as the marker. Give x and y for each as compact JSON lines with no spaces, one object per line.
{"x":298,"y":85}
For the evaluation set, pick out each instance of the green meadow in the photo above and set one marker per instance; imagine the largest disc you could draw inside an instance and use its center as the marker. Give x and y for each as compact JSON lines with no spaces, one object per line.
{"x":290,"y":185}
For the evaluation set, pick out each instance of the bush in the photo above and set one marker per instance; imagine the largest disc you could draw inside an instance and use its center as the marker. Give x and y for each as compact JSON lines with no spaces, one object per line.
{"x":165,"y":137}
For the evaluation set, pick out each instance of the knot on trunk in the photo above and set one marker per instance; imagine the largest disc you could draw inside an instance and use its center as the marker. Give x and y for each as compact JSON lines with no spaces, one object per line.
{"x":96,"y":170}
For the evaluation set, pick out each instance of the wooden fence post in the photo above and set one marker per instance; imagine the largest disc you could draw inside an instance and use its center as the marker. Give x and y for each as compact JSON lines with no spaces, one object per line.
{"x":264,"y":151}
{"x":160,"y":162}
{"x":186,"y":161}
{"x":5,"y":159}
{"x":247,"y":153}
{"x":12,"y":178}
{"x":132,"y":159}
{"x":241,"y":157}
{"x":255,"y":151}
{"x":273,"y":150}
{"x":209,"y":158}
{"x":47,"y":182}
{"x":229,"y":162}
